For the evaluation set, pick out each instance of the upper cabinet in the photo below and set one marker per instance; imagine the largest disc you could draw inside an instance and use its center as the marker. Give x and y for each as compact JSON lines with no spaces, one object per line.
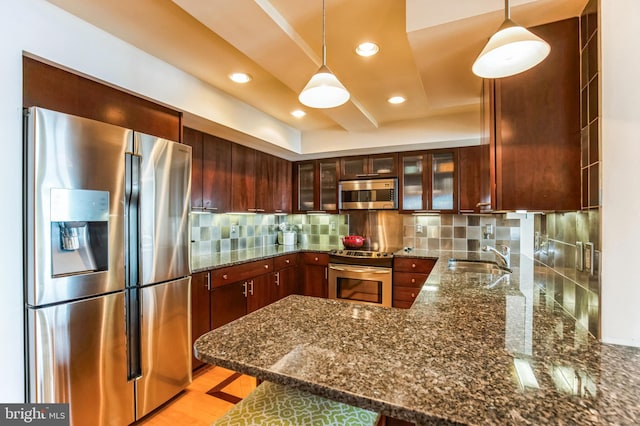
{"x":211,"y":171}
{"x":260,"y":183}
{"x":316,"y":186}
{"x":369,"y":166}
{"x":474,"y":188}
{"x":428,"y":181}
{"x":534,"y":128}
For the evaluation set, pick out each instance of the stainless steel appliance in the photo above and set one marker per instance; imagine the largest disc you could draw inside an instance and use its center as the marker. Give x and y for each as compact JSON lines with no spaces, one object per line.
{"x":361,"y":276}
{"x":370,"y":194}
{"x":107,"y":268}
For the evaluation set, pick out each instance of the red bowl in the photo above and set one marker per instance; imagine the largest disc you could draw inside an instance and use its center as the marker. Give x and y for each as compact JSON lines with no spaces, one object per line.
{"x":353,"y":241}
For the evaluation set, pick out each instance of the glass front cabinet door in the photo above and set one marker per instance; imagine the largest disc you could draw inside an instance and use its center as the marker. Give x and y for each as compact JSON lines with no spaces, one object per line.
{"x":428,"y":181}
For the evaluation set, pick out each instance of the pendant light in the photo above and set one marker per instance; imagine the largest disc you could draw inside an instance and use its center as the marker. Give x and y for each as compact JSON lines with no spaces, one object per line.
{"x":324,"y":90}
{"x":511,"y":50}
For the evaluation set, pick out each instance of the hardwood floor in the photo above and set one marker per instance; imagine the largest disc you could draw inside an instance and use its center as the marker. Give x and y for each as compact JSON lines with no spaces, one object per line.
{"x":195,"y":406}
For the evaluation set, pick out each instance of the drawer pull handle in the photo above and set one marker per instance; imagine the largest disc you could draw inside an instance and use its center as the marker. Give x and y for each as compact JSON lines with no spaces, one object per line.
{"x":266,"y":266}
{"x":413,"y":295}
{"x":413,"y":280}
{"x":413,"y":265}
{"x":315,"y":258}
{"x":286,"y":261}
{"x":225,"y":277}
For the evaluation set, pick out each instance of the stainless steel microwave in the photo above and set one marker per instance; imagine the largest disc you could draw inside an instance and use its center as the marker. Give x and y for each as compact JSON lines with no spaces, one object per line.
{"x":371,"y":194}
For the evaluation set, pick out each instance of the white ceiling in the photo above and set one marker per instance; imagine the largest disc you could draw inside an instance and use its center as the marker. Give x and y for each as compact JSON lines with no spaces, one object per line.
{"x":427,"y":48}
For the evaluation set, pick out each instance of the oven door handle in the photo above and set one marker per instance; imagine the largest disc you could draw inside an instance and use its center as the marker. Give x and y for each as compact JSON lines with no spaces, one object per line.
{"x":360,"y":270}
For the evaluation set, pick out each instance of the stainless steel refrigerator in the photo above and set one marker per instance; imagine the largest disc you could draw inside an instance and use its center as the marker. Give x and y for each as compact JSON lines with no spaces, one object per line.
{"x":106,"y":267}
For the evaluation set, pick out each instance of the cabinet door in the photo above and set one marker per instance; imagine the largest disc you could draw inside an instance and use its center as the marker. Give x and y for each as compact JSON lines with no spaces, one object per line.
{"x":200,"y":300}
{"x":216,"y":174}
{"x":383,"y":165}
{"x":287,"y":282}
{"x":443,"y":181}
{"x":283,"y":187}
{"x":537,"y":122}
{"x":412,"y":182}
{"x":328,"y":187}
{"x":260,"y":292}
{"x":305,"y":193}
{"x":315,"y":279}
{"x":228,"y":303}
{"x":243,"y":178}
{"x":193,"y":138}
{"x":354,"y":167}
{"x":474,"y":191}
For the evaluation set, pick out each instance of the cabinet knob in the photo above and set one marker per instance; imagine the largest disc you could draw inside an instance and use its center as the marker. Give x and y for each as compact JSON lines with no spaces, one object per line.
{"x":266,"y":266}
{"x":225,"y":277}
{"x":413,"y":280}
{"x":413,"y":295}
{"x":315,"y":258}
{"x":413,"y":265}
{"x":286,"y":261}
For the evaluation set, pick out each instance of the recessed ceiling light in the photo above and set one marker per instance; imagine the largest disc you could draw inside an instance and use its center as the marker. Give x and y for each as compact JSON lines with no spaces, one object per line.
{"x":298,"y":113}
{"x":367,"y":49}
{"x":396,"y":99}
{"x":240,"y":77}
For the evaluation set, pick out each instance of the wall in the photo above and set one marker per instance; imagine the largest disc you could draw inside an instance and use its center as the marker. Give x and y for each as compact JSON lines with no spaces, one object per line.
{"x":620,"y":150}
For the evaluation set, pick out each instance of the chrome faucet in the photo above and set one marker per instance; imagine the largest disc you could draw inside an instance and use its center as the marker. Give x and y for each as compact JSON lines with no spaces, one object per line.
{"x":504,"y":258}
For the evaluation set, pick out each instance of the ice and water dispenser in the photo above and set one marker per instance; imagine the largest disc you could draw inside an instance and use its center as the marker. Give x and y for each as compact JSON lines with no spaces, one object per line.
{"x":79,"y":231}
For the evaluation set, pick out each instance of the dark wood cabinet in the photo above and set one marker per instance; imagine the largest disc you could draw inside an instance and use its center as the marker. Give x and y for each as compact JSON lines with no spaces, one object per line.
{"x":369,"y":166}
{"x":315,"y":274}
{"x":228,"y":303}
{"x":474,"y":189}
{"x":315,"y":185}
{"x":409,"y":275}
{"x":244,"y":174}
{"x":260,"y":183}
{"x":286,"y":275}
{"x":200,"y":308}
{"x":261,"y":291}
{"x":211,"y":171}
{"x":536,"y":128}
{"x":428,"y":181}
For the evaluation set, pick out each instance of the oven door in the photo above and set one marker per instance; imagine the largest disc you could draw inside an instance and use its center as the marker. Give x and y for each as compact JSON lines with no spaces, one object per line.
{"x":362,"y":284}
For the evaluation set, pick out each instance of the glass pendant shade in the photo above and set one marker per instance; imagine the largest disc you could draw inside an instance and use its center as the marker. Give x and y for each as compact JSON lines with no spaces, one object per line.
{"x":511,"y":50}
{"x":324,"y":90}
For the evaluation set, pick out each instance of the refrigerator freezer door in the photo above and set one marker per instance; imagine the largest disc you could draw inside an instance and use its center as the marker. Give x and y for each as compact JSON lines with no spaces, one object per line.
{"x":77,"y":354}
{"x":166,"y":344}
{"x":165,"y":200}
{"x":74,"y":182}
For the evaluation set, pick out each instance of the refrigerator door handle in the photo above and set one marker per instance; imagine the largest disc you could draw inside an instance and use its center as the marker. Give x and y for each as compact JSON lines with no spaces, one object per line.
{"x":132,"y":262}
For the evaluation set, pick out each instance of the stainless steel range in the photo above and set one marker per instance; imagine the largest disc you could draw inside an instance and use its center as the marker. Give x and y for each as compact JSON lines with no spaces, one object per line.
{"x":361,"y":276}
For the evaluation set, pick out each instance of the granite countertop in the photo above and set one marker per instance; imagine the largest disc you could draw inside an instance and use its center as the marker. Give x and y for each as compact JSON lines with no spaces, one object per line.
{"x":464,"y":353}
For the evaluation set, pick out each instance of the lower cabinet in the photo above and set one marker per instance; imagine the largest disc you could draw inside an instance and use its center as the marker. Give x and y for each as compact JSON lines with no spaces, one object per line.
{"x":200,"y":308}
{"x":287,"y":278}
{"x":409,"y":275}
{"x":315,"y":274}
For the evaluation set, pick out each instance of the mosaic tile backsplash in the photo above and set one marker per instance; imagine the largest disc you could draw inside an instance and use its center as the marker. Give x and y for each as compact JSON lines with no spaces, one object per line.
{"x":578,"y":292}
{"x":461,"y":232}
{"x":211,"y":233}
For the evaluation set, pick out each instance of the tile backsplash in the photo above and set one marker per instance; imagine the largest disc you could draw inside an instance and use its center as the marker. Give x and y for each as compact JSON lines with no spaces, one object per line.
{"x":461,"y":232}
{"x":211,"y":233}
{"x":578,"y":292}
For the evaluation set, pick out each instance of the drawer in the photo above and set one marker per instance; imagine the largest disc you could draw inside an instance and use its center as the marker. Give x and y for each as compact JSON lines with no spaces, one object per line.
{"x":285,"y":261}
{"x":407,"y":294}
{"x":245,"y":271}
{"x":413,"y":264}
{"x":407,"y":279}
{"x":402,"y":304}
{"x":315,"y":258}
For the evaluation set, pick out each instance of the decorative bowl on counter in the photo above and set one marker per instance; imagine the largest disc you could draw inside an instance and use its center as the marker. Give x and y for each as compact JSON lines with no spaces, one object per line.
{"x":353,"y":241}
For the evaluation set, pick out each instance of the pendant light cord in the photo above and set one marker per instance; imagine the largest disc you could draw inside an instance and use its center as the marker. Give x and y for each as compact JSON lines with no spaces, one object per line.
{"x":507,"y":10}
{"x":324,"y":44}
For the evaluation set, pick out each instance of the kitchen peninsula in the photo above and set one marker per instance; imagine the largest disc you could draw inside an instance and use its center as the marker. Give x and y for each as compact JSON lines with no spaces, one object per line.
{"x":464,"y":353}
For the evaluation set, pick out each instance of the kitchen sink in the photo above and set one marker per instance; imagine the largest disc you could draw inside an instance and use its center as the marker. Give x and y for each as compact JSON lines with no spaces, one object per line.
{"x":477,"y":267}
